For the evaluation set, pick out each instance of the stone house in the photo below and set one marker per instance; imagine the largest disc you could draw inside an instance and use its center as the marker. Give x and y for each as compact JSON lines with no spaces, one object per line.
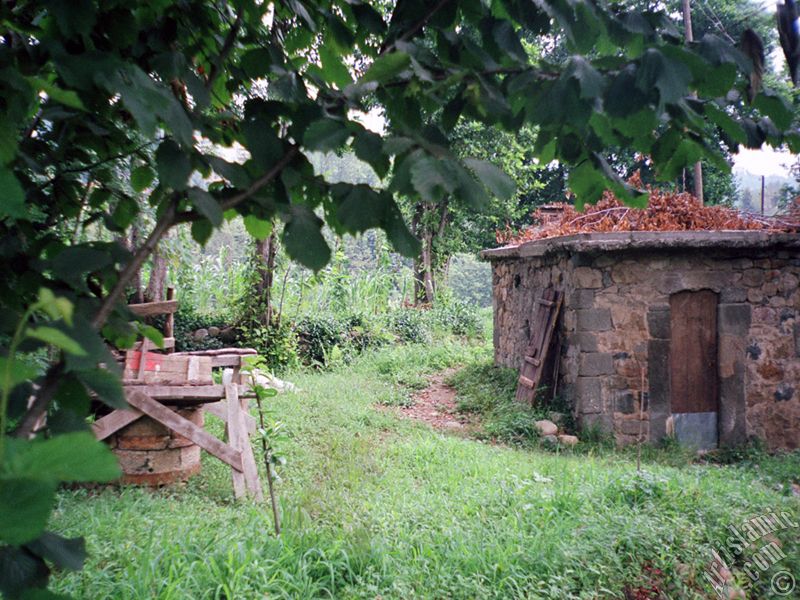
{"x":704,"y":327}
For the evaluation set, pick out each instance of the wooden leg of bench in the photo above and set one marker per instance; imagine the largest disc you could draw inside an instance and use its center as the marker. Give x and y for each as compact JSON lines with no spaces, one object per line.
{"x":248,"y":458}
{"x":234,"y":431}
{"x":239,"y":439}
{"x":114,"y":421}
{"x":174,"y":422}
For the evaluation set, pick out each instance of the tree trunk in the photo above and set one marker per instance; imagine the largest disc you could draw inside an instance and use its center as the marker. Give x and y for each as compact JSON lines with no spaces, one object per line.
{"x":265,"y":267}
{"x":131,"y":243}
{"x":429,"y":285}
{"x":698,"y":167}
{"x":416,"y":230}
{"x":156,"y":285}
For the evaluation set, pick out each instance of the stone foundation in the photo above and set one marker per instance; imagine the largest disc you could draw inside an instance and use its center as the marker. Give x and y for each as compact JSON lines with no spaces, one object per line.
{"x":615,"y":325}
{"x":150,"y":454}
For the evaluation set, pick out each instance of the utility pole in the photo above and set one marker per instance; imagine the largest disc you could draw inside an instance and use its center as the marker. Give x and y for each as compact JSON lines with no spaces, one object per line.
{"x":698,"y":168}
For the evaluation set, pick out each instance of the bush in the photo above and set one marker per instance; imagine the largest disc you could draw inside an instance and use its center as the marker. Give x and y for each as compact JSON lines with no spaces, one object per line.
{"x":277,"y":344}
{"x":410,"y":326}
{"x":318,"y":336}
{"x":187,"y":321}
{"x":458,"y":317}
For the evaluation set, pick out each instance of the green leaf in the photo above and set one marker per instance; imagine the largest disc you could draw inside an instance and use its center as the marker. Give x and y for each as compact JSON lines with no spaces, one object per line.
{"x":207,"y":205}
{"x":333,"y":68}
{"x":73,"y":17}
{"x":256,"y":63}
{"x":18,"y":371}
{"x":587,"y":183}
{"x":57,"y":338}
{"x":265,"y":147}
{"x":398,"y":232}
{"x":775,"y":107}
{"x":142,"y":177}
{"x":173,"y":165}
{"x":25,"y":503}
{"x":325,"y":135}
{"x":74,"y":262}
{"x":105,"y":384}
{"x":62,"y":552}
{"x":8,"y":141}
{"x":368,"y":146}
{"x":362,"y":209}
{"x":77,"y":456}
{"x":65,"y":97}
{"x":201,"y":231}
{"x":726,"y":123}
{"x":670,"y":77}
{"x":431,"y":178}
{"x":506,"y":39}
{"x":386,"y":67}
{"x":20,"y":573}
{"x":56,"y":308}
{"x":258,"y":228}
{"x":12,"y":197}
{"x":233,"y":172}
{"x":495,"y":179}
{"x":151,"y":333}
{"x":304,"y":240}
{"x":590,"y":81}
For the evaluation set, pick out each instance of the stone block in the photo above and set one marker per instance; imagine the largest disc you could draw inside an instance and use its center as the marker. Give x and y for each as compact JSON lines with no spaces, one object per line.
{"x":580,"y":260}
{"x":592,"y":364}
{"x":583,"y":342}
{"x":587,"y":277}
{"x":625,"y":402}
{"x":594,"y":319}
{"x":602,"y":421}
{"x":659,"y":386}
{"x":732,"y":406}
{"x":733,"y":294}
{"x":734,"y":319}
{"x":633,"y":427}
{"x":658,"y":322}
{"x":752,"y":277}
{"x":581,"y":298}
{"x":797,"y":339}
{"x":588,"y":392}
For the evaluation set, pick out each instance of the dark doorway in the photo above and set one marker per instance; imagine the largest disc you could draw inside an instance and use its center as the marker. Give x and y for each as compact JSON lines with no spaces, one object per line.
{"x":693,"y":368}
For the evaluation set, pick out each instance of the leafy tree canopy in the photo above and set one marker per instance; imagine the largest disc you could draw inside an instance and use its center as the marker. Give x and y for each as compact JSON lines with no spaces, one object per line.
{"x":153,"y":90}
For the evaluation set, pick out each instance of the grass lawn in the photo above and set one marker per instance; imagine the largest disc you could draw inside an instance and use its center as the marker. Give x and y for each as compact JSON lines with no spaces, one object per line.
{"x":376,"y":506}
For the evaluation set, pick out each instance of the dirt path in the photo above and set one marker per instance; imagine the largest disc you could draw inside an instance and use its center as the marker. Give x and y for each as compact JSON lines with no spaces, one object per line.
{"x":436,"y":406}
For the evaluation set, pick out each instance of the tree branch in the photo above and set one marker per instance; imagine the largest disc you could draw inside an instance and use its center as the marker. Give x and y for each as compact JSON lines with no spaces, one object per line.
{"x":414,"y":28}
{"x":167,"y":220}
{"x":235,"y":200}
{"x":41,"y":401}
{"x":227,"y":46}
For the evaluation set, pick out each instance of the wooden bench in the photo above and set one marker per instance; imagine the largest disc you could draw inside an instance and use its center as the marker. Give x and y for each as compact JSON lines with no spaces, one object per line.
{"x":158,"y":385}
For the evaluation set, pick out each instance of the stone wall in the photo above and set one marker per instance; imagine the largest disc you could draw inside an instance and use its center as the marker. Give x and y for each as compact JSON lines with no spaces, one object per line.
{"x":615,"y":331}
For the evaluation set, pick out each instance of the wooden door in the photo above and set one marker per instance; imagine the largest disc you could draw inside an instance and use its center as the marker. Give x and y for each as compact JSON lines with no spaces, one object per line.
{"x":693,"y":367}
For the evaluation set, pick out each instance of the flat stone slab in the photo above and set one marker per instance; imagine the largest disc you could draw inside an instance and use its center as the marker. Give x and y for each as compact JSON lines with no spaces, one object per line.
{"x":596,"y":243}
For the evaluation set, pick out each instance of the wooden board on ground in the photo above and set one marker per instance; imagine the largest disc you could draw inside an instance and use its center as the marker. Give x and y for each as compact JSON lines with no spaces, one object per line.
{"x":543,"y":323}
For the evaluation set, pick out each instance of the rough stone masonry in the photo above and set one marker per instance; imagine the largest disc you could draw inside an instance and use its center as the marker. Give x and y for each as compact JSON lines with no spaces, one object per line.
{"x":615,"y":325}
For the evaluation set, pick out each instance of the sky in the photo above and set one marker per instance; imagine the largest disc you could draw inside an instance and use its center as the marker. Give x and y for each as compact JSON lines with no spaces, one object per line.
{"x":766,"y":161}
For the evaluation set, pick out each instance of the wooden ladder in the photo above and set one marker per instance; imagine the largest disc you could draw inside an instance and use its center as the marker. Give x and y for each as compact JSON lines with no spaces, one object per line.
{"x":545,"y":316}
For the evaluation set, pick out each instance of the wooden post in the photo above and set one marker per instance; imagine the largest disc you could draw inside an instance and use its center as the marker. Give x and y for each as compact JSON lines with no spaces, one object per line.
{"x":169,"y":326}
{"x":762,"y":195}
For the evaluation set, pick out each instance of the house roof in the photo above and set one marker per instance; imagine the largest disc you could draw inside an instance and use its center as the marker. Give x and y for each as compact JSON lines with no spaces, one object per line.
{"x":596,"y":243}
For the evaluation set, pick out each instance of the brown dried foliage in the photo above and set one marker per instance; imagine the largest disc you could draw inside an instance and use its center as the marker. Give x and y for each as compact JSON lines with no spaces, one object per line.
{"x":666,"y":211}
